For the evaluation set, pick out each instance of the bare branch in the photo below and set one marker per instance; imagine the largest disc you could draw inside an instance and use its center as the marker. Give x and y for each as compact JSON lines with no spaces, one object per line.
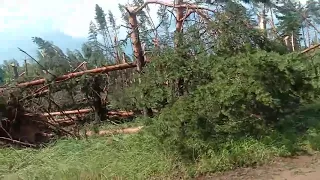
{"x":135,"y":10}
{"x":36,"y":62}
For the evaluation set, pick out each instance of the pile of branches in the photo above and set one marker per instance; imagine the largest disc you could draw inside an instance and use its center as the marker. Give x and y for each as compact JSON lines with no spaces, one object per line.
{"x":34,"y":112}
{"x":22,"y":127}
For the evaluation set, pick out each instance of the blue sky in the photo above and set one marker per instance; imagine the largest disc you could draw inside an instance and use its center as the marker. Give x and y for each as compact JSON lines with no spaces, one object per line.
{"x":65,"y":22}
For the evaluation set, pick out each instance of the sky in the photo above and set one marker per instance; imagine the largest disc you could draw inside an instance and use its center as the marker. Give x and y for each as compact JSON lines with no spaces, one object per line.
{"x":65,"y":22}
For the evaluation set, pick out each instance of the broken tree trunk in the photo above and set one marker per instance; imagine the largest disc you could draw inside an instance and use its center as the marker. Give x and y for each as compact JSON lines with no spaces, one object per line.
{"x":310,"y":49}
{"x":77,"y":74}
{"x":116,"y":131}
{"x":15,"y":71}
{"x":98,"y":104}
{"x":84,"y":111}
{"x":178,"y":41}
{"x":137,"y":51}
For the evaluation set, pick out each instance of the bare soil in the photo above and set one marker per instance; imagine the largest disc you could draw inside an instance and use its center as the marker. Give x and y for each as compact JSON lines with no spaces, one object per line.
{"x":305,"y":167}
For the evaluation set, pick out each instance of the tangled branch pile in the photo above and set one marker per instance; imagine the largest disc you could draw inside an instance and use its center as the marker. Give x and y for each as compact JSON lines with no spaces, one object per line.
{"x":20,"y":126}
{"x":26,"y":110}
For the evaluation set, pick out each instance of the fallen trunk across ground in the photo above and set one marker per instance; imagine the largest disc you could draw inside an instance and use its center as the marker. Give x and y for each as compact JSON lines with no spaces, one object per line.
{"x":131,"y":130}
{"x":83,"y":111}
{"x":77,"y":74}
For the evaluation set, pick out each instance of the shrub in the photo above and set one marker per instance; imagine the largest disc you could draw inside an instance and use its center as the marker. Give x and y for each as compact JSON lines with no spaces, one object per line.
{"x":245,"y":96}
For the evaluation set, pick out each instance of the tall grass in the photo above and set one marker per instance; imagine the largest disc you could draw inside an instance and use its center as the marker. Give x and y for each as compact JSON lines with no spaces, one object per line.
{"x":134,"y":157}
{"x":141,"y":156}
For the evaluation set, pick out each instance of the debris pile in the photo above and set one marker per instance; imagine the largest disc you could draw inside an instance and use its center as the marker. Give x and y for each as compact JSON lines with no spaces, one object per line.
{"x":26,"y":117}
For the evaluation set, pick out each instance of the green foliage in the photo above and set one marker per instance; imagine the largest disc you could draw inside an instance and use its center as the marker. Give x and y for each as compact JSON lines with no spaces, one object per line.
{"x":100,"y":18}
{"x":290,"y":22}
{"x":121,"y":157}
{"x":241,"y":94}
{"x":2,"y":73}
{"x":244,"y":95}
{"x":51,"y":57}
{"x":240,"y":36}
{"x":142,"y":156}
{"x":313,"y":9}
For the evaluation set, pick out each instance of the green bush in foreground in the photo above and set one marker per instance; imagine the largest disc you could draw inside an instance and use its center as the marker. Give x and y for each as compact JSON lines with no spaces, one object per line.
{"x":247,"y":95}
{"x":136,"y":157}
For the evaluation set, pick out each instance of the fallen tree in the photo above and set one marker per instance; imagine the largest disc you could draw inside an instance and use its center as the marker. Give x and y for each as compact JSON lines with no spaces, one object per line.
{"x":19,"y":126}
{"x":132,"y":130}
{"x":77,"y":74}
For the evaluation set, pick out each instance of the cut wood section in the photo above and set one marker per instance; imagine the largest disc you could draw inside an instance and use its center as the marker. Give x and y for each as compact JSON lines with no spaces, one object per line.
{"x":132,"y":130}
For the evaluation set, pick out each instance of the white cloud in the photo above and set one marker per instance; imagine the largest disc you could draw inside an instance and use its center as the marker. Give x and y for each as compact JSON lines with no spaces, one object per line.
{"x":76,"y":22}
{"x":71,"y":17}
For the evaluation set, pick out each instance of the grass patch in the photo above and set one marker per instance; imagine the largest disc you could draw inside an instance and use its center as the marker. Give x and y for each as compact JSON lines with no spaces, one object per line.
{"x":141,"y":156}
{"x":128,"y":157}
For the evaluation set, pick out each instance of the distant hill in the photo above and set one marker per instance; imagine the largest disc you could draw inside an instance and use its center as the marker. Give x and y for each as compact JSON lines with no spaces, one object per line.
{"x":9,"y":45}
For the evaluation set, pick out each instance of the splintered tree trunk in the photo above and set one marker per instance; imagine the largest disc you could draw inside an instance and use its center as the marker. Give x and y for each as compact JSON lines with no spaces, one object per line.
{"x":293,"y":42}
{"x":262,"y":20}
{"x":138,"y":53}
{"x":286,"y":41}
{"x":26,"y":67}
{"x":178,"y":42}
{"x":137,"y":48}
{"x":273,"y":26}
{"x":15,"y":71}
{"x":98,"y":103}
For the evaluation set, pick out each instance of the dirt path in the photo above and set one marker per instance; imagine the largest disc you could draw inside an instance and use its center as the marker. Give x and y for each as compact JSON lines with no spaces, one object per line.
{"x":299,"y":168}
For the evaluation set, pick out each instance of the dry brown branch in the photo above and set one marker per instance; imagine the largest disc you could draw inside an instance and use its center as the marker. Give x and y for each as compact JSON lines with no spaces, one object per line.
{"x":184,"y":5}
{"x":36,"y":62}
{"x":310,"y":48}
{"x":84,"y":111}
{"x":23,"y":73}
{"x":17,"y":142}
{"x":189,"y":12}
{"x":81,"y":65}
{"x":203,"y":16}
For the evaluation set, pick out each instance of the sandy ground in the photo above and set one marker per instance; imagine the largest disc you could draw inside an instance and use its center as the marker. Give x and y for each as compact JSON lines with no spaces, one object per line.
{"x":298,"y":168}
